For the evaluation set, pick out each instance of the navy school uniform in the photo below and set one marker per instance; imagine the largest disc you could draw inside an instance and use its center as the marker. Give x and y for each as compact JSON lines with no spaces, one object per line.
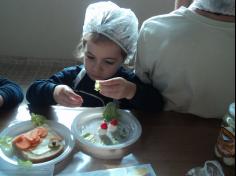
{"x":40,"y":93}
{"x":11,"y":93}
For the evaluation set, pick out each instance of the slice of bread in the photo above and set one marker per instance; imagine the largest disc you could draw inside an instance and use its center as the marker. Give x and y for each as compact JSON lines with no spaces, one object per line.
{"x":49,"y":147}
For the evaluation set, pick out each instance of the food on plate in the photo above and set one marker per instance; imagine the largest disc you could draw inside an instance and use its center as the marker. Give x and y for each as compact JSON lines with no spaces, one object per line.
{"x":110,"y":117}
{"x":103,"y":129}
{"x":38,"y":145}
{"x":5,"y":145}
{"x":113,"y":125}
{"x":89,"y":137}
{"x":24,"y":164}
{"x":108,"y":130}
{"x":37,"y":119}
{"x":97,"y":85}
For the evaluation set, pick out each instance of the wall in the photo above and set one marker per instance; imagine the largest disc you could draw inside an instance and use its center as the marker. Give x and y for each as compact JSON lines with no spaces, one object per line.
{"x":52,"y":28}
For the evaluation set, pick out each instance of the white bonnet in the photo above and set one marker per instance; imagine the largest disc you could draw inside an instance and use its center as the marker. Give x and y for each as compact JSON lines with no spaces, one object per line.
{"x":225,"y":7}
{"x":118,"y":24}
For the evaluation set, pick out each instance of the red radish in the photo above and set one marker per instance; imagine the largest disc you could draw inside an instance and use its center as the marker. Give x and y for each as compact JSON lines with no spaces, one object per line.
{"x":114,"y":122}
{"x":104,"y":126}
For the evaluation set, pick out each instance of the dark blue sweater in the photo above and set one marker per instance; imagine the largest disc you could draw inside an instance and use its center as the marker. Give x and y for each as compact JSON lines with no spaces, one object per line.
{"x":11,"y":92}
{"x":40,"y":93}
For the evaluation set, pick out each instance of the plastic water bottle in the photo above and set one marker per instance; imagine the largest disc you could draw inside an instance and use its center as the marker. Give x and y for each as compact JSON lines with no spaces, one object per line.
{"x":211,"y":168}
{"x":225,"y":146}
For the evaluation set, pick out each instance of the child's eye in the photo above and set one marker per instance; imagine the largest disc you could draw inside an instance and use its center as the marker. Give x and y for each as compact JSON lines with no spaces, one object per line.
{"x":89,"y":57}
{"x":110,"y":62}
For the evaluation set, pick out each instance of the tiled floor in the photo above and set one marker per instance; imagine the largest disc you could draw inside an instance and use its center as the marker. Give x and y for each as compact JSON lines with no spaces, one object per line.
{"x":26,"y":71}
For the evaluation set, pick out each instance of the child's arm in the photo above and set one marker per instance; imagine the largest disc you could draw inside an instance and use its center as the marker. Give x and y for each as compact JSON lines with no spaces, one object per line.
{"x":41,"y":92}
{"x":132,"y":94}
{"x":65,"y":96}
{"x":1,"y":101}
{"x":11,"y":94}
{"x":117,"y":88}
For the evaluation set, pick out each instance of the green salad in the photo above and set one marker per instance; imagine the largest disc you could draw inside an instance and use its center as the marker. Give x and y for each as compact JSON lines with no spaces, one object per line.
{"x":97,"y":86}
{"x":38,"y":120}
{"x":111,"y":112}
{"x":6,"y":145}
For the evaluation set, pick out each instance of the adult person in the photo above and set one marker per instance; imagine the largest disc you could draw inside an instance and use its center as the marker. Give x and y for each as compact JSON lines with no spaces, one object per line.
{"x":179,"y":3}
{"x":10,"y":94}
{"x":189,"y":55}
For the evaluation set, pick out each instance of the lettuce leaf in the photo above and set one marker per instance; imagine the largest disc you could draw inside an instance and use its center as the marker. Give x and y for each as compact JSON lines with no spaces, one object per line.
{"x":111,"y":112}
{"x":97,"y":86}
{"x":5,"y":141}
{"x":24,"y":164}
{"x":89,"y":137}
{"x":38,"y":120}
{"x":6,"y":145}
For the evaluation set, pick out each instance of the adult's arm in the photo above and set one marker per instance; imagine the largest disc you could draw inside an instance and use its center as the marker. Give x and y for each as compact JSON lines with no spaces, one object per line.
{"x":144,"y":62}
{"x":179,"y":3}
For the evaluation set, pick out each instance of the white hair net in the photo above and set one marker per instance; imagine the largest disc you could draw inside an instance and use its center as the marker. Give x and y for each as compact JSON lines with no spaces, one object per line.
{"x":118,"y":24}
{"x":225,"y":7}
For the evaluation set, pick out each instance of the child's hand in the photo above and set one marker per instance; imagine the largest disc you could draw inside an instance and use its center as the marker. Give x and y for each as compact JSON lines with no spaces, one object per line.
{"x":65,"y":96}
{"x":117,"y":88}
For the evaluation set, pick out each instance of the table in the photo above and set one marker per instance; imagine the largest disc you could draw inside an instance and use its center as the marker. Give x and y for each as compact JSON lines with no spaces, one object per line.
{"x":171,"y":142}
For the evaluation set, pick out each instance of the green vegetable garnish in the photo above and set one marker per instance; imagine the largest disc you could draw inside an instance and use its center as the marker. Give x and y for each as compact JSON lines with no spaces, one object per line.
{"x":38,"y":120}
{"x":5,"y":141}
{"x":54,"y":144}
{"x":6,"y":145}
{"x":110,"y":112}
{"x":89,"y":137}
{"x":106,"y":140}
{"x":54,"y":147}
{"x":97,"y":86}
{"x":24,"y":164}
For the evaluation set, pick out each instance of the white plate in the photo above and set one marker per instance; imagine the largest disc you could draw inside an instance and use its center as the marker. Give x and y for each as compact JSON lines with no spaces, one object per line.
{"x":21,"y":127}
{"x":114,"y":151}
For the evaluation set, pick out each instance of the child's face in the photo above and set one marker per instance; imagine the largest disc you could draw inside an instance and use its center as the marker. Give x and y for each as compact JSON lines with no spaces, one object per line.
{"x":102,"y":59}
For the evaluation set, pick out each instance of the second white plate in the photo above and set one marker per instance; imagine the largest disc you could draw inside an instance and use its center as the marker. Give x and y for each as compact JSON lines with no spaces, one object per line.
{"x":25,"y":126}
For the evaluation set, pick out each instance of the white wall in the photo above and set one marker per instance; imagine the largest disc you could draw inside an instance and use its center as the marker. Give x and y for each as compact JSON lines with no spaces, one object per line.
{"x":52,"y":28}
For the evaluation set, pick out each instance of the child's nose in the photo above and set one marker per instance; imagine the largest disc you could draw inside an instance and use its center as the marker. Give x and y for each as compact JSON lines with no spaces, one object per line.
{"x":98,"y":68}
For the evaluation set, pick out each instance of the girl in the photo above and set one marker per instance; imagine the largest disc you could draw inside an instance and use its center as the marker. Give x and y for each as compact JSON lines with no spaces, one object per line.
{"x":109,"y":39}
